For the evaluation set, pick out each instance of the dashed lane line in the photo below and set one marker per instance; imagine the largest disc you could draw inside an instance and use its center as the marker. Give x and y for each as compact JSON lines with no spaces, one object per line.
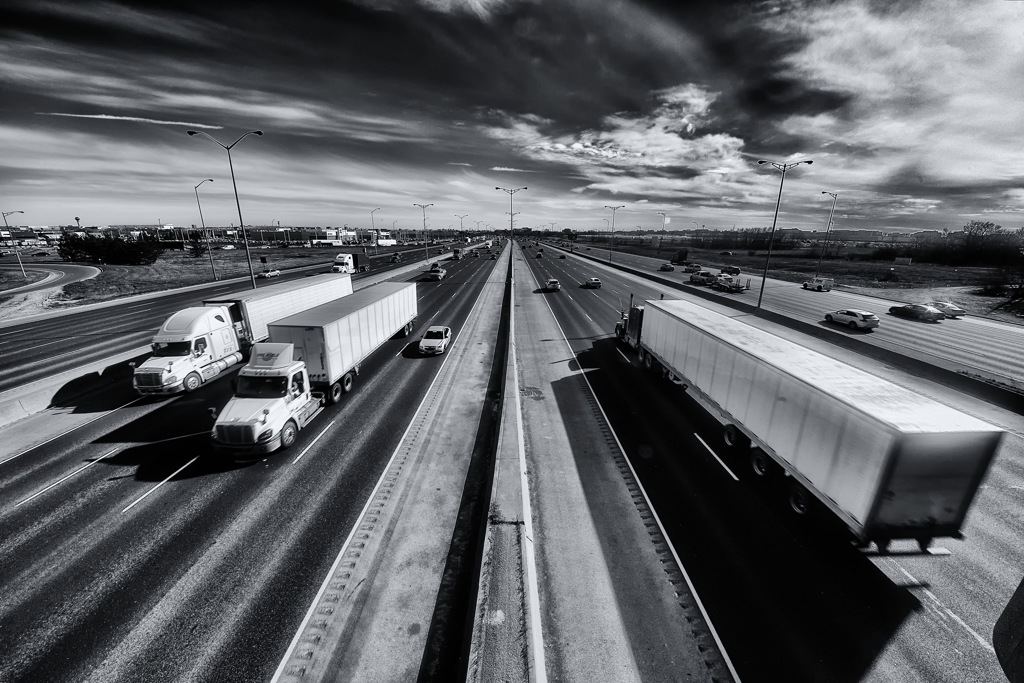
{"x":54,"y":438}
{"x":315,"y":439}
{"x":65,"y":477}
{"x":144,"y":495}
{"x":724,"y":466}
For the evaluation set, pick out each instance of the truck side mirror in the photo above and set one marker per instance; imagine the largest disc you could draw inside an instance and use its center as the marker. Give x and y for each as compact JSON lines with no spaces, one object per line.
{"x":131,"y":364}
{"x":213,"y":412}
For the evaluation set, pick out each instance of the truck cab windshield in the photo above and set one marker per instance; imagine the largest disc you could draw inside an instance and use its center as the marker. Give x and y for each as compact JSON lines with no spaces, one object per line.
{"x":261,"y":387}
{"x":171,"y":349}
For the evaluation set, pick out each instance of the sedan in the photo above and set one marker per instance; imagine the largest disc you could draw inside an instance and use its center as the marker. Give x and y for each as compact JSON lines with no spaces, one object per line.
{"x":854,"y":319}
{"x":948,"y":308}
{"x":552,"y":285}
{"x":918,"y":312}
{"x":666,"y":266}
{"x":592,"y":283}
{"x":269,"y":273}
{"x":692,"y":268}
{"x":562,"y":256}
{"x":435,"y":340}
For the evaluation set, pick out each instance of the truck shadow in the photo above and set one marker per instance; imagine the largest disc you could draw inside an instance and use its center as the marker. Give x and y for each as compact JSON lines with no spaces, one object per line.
{"x":787,"y":593}
{"x":98,"y":391}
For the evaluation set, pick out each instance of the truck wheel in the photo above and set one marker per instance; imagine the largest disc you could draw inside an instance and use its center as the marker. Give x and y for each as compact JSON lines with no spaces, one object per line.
{"x":883,"y":544}
{"x":734,"y":438}
{"x":288,"y":434}
{"x":648,"y":362}
{"x":923,"y":543}
{"x":346,"y":382}
{"x":761,"y":463}
{"x":640,"y":354}
{"x":192,"y":382}
{"x":819,"y":288}
{"x":804,"y":285}
{"x":798,"y":501}
{"x":334,"y":393}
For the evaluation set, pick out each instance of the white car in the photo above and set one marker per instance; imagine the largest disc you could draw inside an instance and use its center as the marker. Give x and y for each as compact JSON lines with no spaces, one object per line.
{"x":435,"y":339}
{"x":552,"y":285}
{"x":820,"y":284}
{"x":269,"y":273}
{"x":854,"y":319}
{"x":592,"y":283}
{"x":948,"y":308}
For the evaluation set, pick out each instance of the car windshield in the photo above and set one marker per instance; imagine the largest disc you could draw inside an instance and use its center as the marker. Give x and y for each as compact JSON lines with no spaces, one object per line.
{"x":260,"y":387}
{"x":434,"y":334}
{"x":171,"y":349}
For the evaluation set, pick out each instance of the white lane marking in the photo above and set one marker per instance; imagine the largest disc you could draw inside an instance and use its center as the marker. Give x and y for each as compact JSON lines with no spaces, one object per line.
{"x":624,"y":356}
{"x":650,"y":506}
{"x":570,"y":297}
{"x":144,"y":495}
{"x":65,"y":477}
{"x":931,"y":596}
{"x":435,"y":314}
{"x":315,"y":439}
{"x":724,"y":466}
{"x":587,"y":316}
{"x":530,"y":561}
{"x":54,"y":438}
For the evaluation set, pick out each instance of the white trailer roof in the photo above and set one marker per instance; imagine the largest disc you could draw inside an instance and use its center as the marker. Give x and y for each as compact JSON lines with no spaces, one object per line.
{"x":339,"y":308}
{"x":274,"y":289}
{"x":880,"y":398}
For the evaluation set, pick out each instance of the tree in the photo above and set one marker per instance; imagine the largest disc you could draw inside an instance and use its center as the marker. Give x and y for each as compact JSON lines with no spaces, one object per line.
{"x":977,"y":233}
{"x":196,"y":246}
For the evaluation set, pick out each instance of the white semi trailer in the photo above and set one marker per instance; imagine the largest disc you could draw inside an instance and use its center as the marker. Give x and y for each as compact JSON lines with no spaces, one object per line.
{"x":890,"y":463}
{"x":311,"y":358}
{"x":197,"y":344}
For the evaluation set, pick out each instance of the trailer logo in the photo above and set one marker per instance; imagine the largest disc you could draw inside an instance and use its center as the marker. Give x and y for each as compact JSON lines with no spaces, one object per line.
{"x":266,"y":356}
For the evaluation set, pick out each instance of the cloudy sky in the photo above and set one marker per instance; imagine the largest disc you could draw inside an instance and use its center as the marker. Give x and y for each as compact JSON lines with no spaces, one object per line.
{"x":912,"y":111}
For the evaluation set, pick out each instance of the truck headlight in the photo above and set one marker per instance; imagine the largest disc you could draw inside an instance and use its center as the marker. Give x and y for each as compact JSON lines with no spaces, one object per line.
{"x":265,"y":436}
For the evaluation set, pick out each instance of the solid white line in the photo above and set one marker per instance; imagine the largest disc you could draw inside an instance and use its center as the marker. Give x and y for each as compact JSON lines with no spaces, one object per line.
{"x":98,"y":417}
{"x":68,"y":476}
{"x":315,"y":439}
{"x":650,"y":506}
{"x":724,"y":467}
{"x":160,"y":484}
{"x":532,"y":591}
{"x":362,"y":515}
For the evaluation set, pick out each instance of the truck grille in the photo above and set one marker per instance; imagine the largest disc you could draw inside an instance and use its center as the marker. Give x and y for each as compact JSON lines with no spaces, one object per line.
{"x":149,"y":379}
{"x":236,"y":434}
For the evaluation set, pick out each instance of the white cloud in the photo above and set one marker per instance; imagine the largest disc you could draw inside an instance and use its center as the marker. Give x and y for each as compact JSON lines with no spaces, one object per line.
{"x":111,"y":117}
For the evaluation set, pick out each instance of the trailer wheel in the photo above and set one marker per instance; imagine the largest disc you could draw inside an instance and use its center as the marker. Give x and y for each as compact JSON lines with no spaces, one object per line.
{"x":640,"y":354}
{"x":648,"y":362}
{"x":733,"y":437}
{"x":346,"y":382}
{"x":288,"y":434}
{"x":761,"y":463}
{"x":191,"y":382}
{"x":334,"y":393}
{"x":798,"y":501}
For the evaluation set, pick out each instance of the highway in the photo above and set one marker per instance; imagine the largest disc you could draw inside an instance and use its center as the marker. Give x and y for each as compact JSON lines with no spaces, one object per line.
{"x":37,"y":348}
{"x":979,"y":347}
{"x":130,"y":551}
{"x":790,"y":597}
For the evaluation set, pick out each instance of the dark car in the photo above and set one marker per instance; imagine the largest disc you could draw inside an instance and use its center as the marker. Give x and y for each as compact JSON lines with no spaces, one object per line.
{"x":731,"y":270}
{"x":562,"y":256}
{"x":918,"y":312}
{"x":725,"y":253}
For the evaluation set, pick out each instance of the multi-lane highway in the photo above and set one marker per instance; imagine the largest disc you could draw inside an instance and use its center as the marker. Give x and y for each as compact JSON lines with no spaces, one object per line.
{"x":976,"y":346}
{"x":130,"y":551}
{"x":791,"y":598}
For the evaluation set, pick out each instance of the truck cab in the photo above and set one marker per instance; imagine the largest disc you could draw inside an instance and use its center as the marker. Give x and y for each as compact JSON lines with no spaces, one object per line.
{"x":350,"y":263}
{"x":192,"y":347}
{"x":628,"y":328}
{"x":273,"y":400}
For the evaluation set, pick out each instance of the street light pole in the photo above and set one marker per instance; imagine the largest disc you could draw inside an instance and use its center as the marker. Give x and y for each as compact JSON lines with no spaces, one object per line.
{"x":238,"y":205}
{"x":511,"y":215}
{"x":460,"y":223}
{"x":373,"y":229}
{"x":611,"y":242}
{"x":426,"y":249}
{"x":771,"y":236}
{"x":17,"y":253}
{"x":835,"y":196}
{"x":203,"y":221}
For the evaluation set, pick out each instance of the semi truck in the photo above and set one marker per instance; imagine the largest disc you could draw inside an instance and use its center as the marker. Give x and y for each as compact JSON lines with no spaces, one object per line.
{"x":680,"y":256}
{"x":351,"y":263}
{"x":457,"y":253}
{"x":889,"y":463}
{"x":311,"y":359}
{"x":197,"y":344}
